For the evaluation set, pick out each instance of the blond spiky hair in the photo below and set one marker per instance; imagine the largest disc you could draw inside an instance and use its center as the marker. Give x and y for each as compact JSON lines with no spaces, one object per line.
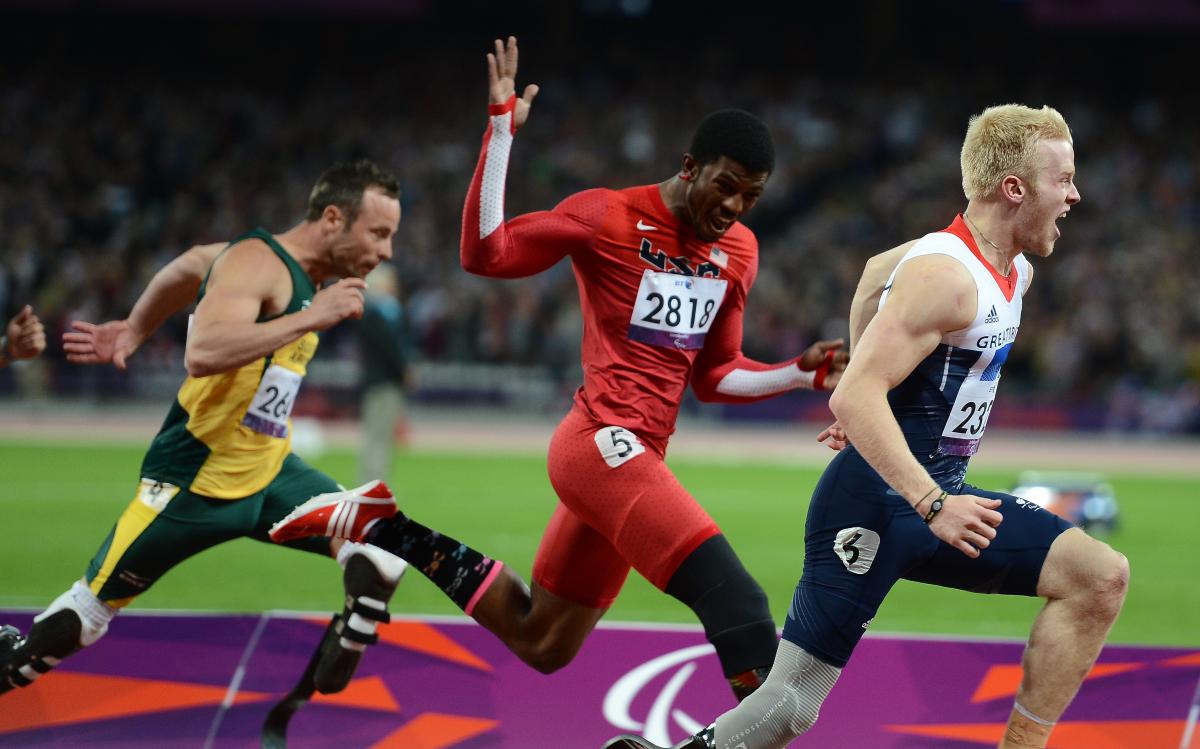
{"x":1002,"y":140}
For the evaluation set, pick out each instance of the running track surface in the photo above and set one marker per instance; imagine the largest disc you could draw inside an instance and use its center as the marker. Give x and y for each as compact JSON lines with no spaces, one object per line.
{"x":173,"y":680}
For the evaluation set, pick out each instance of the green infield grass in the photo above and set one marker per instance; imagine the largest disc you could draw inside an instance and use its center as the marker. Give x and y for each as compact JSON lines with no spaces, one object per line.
{"x":58,"y":502}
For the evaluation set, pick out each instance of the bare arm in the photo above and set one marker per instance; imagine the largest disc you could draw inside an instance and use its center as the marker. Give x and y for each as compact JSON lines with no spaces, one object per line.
{"x":870,"y":287}
{"x":931,"y":295}
{"x":246,"y":281}
{"x":171,"y":290}
{"x":862,"y":309}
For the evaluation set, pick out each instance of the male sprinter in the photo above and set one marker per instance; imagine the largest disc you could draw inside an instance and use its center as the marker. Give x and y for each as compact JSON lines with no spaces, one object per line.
{"x":220,"y":467}
{"x":914,"y":404}
{"x":663,"y":273}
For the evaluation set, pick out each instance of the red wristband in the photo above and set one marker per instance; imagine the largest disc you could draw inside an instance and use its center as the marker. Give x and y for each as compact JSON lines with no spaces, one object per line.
{"x":508,"y":106}
{"x":822,"y":371}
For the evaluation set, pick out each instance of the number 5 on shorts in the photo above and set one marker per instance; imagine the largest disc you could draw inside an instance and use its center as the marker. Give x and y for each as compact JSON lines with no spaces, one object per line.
{"x":618,"y":445}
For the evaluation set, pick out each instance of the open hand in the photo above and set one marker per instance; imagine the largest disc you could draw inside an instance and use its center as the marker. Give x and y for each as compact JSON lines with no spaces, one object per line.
{"x":111,"y":343}
{"x":502,"y":80}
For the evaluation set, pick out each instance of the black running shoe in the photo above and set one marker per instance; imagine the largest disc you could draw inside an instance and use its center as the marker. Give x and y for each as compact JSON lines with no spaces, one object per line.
{"x":10,"y":642}
{"x":629,"y":741}
{"x":702,"y":740}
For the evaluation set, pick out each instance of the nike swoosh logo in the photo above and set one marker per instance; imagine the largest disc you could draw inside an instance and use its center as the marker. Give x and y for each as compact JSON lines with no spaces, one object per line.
{"x":642,"y":226}
{"x":885,"y":288}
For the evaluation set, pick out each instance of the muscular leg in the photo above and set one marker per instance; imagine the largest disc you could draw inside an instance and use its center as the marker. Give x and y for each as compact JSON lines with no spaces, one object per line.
{"x":1084,"y":582}
{"x":156,"y":531}
{"x":623,"y":493}
{"x":542,"y":629}
{"x":546,"y":630}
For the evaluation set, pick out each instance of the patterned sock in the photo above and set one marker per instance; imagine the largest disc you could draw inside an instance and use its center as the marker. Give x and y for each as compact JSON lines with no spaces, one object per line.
{"x":462,"y":573}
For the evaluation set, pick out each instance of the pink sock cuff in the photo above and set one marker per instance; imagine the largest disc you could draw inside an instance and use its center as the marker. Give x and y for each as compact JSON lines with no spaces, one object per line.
{"x":483,"y":587}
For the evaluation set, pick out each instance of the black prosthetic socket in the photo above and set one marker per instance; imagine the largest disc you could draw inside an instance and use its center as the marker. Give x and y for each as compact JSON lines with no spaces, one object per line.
{"x":49,"y":641}
{"x":733,"y":609}
{"x":337,"y":664}
{"x":456,"y":568}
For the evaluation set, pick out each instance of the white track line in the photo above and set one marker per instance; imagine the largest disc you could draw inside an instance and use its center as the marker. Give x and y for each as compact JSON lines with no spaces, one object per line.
{"x":235,"y":683}
{"x":1193,"y":716}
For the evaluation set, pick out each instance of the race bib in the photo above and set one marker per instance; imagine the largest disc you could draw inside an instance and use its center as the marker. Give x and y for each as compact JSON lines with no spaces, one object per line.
{"x":857,"y":548}
{"x":272,"y":404}
{"x":675,"y":311}
{"x":156,"y":494}
{"x":969,"y":417}
{"x":618,"y":445}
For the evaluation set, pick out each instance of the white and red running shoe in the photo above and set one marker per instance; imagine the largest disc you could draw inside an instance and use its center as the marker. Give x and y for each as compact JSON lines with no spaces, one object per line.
{"x":348,"y":514}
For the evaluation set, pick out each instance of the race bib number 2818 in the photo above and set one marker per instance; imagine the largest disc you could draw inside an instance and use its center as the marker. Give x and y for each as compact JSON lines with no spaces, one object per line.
{"x":675,"y":311}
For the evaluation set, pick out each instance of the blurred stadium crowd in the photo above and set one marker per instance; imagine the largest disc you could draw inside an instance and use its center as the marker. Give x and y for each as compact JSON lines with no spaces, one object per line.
{"x":119,"y":150}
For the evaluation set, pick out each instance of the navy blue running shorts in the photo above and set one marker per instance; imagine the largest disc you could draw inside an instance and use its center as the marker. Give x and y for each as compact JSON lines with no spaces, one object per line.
{"x":861,"y":537}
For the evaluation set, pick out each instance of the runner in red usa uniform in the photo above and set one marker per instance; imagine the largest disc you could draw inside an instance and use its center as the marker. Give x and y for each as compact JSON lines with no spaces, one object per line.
{"x":663,"y":271}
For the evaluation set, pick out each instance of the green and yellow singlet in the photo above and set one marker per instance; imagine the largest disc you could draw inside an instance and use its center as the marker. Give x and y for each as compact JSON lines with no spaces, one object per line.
{"x":227,"y":434}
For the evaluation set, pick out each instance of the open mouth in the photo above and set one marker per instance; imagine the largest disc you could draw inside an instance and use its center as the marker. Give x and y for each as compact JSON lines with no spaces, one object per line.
{"x":1061,"y":216}
{"x":720,"y":225}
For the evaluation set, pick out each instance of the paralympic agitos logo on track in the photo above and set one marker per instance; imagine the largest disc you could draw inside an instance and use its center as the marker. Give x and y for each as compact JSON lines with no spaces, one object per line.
{"x":663,"y":713}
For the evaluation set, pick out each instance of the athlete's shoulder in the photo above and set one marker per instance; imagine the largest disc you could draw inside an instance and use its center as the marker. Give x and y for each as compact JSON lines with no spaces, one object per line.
{"x":740,"y":235}
{"x":244,"y":249}
{"x":938,"y":241}
{"x":591,"y":204}
{"x":641,"y":202}
{"x":629,"y":212}
{"x":248,"y":261}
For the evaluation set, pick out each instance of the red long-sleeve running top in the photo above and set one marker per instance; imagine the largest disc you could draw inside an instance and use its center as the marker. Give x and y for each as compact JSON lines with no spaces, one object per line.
{"x":660,"y":306}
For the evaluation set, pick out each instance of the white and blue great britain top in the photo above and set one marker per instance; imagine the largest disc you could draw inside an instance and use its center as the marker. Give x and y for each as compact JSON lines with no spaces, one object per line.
{"x":944,"y":404}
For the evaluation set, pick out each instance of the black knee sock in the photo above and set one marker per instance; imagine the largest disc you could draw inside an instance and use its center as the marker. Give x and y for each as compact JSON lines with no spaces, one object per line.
{"x":733,"y":609}
{"x":456,"y":568}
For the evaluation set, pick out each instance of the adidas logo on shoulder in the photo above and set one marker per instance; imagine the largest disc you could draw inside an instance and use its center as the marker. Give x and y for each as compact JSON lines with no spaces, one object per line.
{"x":992,"y":316}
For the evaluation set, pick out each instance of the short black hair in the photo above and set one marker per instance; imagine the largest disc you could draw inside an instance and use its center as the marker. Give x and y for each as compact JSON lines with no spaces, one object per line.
{"x":343,"y":184}
{"x":737,"y":134}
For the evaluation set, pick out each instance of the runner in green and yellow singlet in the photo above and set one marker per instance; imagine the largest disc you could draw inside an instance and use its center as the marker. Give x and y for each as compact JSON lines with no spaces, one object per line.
{"x":221,"y":466}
